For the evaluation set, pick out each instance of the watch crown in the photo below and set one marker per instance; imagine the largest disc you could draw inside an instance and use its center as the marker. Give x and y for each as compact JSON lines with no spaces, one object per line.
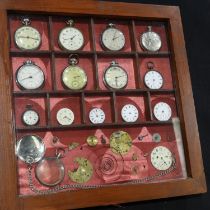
{"x":149,"y":28}
{"x":150,"y":65}
{"x":28,"y":106}
{"x":28,"y":62}
{"x":26,"y":21}
{"x":114,"y":63}
{"x":73,"y":59}
{"x":111,"y":25}
{"x":70,"y":22}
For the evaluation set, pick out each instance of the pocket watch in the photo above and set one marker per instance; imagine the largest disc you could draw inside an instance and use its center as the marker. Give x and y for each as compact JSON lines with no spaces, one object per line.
{"x":161,"y":158}
{"x":29,"y":76}
{"x":115,"y":76}
{"x":27,"y":37}
{"x":71,"y":38}
{"x":50,"y":171}
{"x":65,"y":116}
{"x":153,"y":79}
{"x":30,"y":117}
{"x":112,"y":38}
{"x":96,"y":116}
{"x":83,"y":172}
{"x":129,"y":113}
{"x":120,"y":142}
{"x":162,"y":111}
{"x":30,"y":149}
{"x":92,"y":141}
{"x":150,"y":40}
{"x":73,"y":76}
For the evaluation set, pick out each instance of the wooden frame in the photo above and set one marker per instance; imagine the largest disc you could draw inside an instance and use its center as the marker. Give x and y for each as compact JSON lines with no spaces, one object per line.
{"x":195,"y":183}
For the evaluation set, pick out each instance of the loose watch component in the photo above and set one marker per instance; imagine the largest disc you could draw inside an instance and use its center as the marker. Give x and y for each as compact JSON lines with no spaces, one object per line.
{"x":73,"y":76}
{"x":129,"y":113}
{"x":153,"y":79}
{"x":120,"y":142}
{"x":30,"y":149}
{"x":30,"y":76}
{"x":65,"y":116}
{"x":71,"y":38}
{"x":83,"y":172}
{"x":30,"y":117}
{"x":27,"y":37}
{"x":162,"y":111}
{"x":92,"y":141}
{"x":161,"y":158}
{"x":115,"y":76}
{"x":50,"y":171}
{"x":112,"y":38}
{"x":96,"y":116}
{"x":150,"y":40}
{"x":156,"y":137}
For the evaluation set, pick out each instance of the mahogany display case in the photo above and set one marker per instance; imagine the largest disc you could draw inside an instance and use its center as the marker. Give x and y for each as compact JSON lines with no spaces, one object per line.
{"x":179,"y":134}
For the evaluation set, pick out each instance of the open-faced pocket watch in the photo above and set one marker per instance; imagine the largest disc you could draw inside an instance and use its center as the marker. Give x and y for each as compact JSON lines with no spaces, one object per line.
{"x":27,"y":37}
{"x":162,"y":111}
{"x":115,"y":77}
{"x":73,"y":76}
{"x":65,"y":116}
{"x":112,"y":38}
{"x":30,"y":117}
{"x":150,"y":40}
{"x":153,"y":79}
{"x":129,"y":113}
{"x":29,"y":76}
{"x":71,"y":38}
{"x":96,"y":116}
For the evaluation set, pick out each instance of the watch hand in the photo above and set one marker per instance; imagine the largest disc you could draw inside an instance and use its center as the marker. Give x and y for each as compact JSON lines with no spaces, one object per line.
{"x":26,"y":78}
{"x":116,"y":81}
{"x":72,"y":37}
{"x":28,"y":37}
{"x":119,"y":76}
{"x":76,"y":76}
{"x":65,"y":117}
{"x":115,"y":38}
{"x":114,"y":35}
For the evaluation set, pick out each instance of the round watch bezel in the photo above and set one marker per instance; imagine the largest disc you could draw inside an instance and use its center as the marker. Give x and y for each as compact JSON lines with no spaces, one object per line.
{"x":61,"y":45}
{"x":158,"y":73}
{"x":104,"y":79}
{"x":26,"y":63}
{"x":23,"y":49}
{"x":33,"y":111}
{"x":65,"y":86}
{"x":101,"y":40}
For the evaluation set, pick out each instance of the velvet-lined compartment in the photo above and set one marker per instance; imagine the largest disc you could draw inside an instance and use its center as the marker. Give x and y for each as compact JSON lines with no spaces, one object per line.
{"x":127,"y":63}
{"x":43,"y":62}
{"x":39,"y":23}
{"x":157,"y":27}
{"x":161,"y":65}
{"x":101,"y":24}
{"x":85,"y":62}
{"x":58,"y":23}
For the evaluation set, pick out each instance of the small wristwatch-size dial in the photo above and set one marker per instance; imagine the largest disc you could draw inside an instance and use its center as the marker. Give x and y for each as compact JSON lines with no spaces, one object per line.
{"x":65,"y":116}
{"x":129,"y":113}
{"x":162,"y":111}
{"x":161,"y":158}
{"x":71,"y":38}
{"x":27,"y":37}
{"x":30,"y":117}
{"x":30,"y":76}
{"x":153,"y":79}
{"x":96,"y":116}
{"x":112,"y":38}
{"x":150,"y":40}
{"x":73,"y":76}
{"x":115,"y":76}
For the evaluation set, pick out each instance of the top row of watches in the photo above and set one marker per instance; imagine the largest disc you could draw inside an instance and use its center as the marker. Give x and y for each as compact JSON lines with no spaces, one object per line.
{"x":71,"y":38}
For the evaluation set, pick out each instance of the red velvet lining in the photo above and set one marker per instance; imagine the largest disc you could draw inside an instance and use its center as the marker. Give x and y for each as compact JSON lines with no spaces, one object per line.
{"x":40,"y":23}
{"x":141,"y":27}
{"x":101,"y":25}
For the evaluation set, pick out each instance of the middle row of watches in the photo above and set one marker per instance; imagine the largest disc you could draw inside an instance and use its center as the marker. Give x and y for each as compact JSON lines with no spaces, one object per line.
{"x":29,"y":76}
{"x":129,"y":113}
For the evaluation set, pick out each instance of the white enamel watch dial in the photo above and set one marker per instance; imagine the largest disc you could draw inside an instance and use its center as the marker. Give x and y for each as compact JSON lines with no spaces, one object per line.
{"x":150,"y":40}
{"x":115,"y":76}
{"x":112,"y":38}
{"x":30,"y":117}
{"x":27,"y":37}
{"x":71,"y":38}
{"x":65,"y":116}
{"x":73,"y":76}
{"x":161,"y":158}
{"x":153,"y":79}
{"x":30,"y":76}
{"x":162,"y":111}
{"x":96,"y":116}
{"x":129,"y":113}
